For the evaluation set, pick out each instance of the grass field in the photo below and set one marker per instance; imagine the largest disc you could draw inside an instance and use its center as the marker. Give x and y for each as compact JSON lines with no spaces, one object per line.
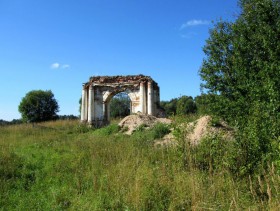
{"x":63,"y":165}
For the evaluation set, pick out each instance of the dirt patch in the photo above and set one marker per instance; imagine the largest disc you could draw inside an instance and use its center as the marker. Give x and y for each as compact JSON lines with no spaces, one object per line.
{"x":132,"y":122}
{"x":205,"y":127}
{"x":198,"y":130}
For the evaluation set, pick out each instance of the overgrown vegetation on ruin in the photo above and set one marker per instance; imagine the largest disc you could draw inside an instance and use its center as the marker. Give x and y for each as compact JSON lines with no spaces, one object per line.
{"x":59,"y":165}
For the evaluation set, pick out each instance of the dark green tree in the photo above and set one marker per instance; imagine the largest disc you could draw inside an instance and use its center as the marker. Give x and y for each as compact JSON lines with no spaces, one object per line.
{"x":185,"y":105}
{"x":242,"y":59}
{"x":120,"y":105}
{"x":169,"y":106}
{"x":38,"y":106}
{"x":241,"y":73}
{"x":80,"y":105}
{"x":203,"y":103}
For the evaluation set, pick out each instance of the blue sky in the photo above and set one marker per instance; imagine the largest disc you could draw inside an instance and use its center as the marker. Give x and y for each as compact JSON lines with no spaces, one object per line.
{"x":58,"y":44}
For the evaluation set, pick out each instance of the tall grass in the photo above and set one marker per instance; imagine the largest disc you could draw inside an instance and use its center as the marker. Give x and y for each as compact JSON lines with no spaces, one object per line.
{"x":62,"y":165}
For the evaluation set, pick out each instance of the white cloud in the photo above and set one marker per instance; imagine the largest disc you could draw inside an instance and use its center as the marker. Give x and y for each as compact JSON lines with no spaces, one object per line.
{"x":55,"y":65}
{"x":188,"y":35}
{"x":65,"y":66}
{"x":194,"y":22}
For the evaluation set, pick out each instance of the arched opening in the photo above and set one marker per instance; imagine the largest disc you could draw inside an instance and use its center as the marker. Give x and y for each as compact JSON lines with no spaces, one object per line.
{"x":120,"y":106}
{"x":142,"y":90}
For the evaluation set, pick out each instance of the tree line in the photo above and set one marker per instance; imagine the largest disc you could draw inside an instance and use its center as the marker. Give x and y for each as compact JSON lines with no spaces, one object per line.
{"x":120,"y":105}
{"x":185,"y":105}
{"x":39,"y":105}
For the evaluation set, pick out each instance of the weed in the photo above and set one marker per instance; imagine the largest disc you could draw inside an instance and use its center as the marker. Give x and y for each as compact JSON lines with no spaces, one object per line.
{"x":77,"y":169}
{"x":108,"y":130}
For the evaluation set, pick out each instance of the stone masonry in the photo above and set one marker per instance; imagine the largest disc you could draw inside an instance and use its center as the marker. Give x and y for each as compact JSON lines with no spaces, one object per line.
{"x":143,"y":92}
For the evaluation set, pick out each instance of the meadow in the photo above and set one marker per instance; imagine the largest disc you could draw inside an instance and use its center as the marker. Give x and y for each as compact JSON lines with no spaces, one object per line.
{"x":64,"y":165}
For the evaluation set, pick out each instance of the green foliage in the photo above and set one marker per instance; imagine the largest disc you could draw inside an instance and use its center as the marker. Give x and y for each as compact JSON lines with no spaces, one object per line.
{"x":120,"y":105}
{"x":108,"y":130}
{"x":81,"y":128}
{"x":38,"y":106}
{"x":169,"y":106}
{"x":13,"y":122}
{"x":141,"y":128}
{"x":185,"y":105}
{"x":160,"y":130}
{"x":241,"y":72}
{"x":203,"y":103}
{"x":144,"y":136}
{"x":181,"y":106}
{"x":68,"y":117}
{"x":47,"y":168}
{"x":80,"y":105}
{"x":215,"y":122}
{"x":214,"y":153}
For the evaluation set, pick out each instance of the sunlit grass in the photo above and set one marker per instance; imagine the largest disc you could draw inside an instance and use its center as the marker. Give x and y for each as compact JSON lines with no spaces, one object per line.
{"x":61,"y":165}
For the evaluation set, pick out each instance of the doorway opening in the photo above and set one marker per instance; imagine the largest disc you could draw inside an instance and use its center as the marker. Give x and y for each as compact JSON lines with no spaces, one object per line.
{"x":120,"y":106}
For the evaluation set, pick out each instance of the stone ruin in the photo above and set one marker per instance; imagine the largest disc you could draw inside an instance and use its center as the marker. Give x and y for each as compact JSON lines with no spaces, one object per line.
{"x":143,"y":91}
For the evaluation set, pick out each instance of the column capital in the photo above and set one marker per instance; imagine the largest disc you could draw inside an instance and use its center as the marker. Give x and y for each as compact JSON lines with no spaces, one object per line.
{"x":142,"y":82}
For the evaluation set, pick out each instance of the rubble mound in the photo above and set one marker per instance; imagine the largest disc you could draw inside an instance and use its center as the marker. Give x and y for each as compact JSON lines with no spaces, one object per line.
{"x":167,"y":140}
{"x":198,"y":130}
{"x":201,"y":128}
{"x":132,"y":122}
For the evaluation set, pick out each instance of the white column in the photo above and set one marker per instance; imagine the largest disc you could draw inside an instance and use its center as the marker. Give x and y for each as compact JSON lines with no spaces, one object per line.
{"x":150,"y":98}
{"x":108,"y":112}
{"x":86,"y":105}
{"x":104,"y":111}
{"x":142,"y":94}
{"x":83,"y":105}
{"x":145,"y":99}
{"x":91,"y":104}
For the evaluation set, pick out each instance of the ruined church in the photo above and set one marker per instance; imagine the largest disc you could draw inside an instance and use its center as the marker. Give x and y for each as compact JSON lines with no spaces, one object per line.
{"x":143,"y":91}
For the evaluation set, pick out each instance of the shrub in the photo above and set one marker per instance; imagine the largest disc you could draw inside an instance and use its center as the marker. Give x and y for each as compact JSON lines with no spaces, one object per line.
{"x":214,"y":152}
{"x":141,"y":127}
{"x":145,"y":136}
{"x":160,"y":130}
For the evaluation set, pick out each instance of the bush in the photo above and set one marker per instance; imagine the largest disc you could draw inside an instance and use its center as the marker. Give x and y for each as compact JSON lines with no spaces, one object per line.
{"x":160,"y":130}
{"x":214,"y":152}
{"x":141,"y":128}
{"x":145,"y":136}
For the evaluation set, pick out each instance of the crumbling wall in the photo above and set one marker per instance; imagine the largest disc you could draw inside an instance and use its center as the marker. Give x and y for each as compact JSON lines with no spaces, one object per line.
{"x":97,"y":93}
